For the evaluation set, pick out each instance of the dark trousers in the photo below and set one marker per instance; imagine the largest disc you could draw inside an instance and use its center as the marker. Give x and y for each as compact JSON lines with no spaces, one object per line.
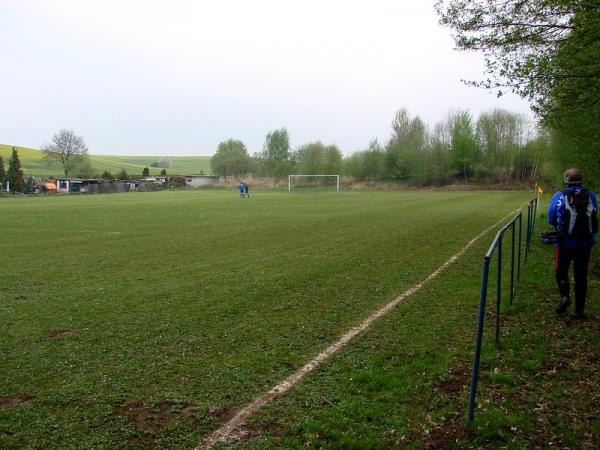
{"x":581,"y":259}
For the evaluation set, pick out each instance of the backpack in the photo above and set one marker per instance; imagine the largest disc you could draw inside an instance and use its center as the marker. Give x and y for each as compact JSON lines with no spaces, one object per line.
{"x":579,"y":218}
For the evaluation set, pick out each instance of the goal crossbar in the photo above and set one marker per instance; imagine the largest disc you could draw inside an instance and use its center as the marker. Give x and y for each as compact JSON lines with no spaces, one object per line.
{"x":337,"y":180}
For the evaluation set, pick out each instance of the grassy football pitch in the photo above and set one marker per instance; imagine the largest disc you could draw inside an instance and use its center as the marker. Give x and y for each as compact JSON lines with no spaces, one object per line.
{"x":145,"y":319}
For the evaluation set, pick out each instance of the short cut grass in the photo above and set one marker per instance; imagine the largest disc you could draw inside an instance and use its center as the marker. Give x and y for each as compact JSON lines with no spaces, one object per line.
{"x":144,"y":319}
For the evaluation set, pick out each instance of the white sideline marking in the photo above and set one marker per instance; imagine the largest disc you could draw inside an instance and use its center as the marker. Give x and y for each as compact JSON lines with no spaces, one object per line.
{"x":234,"y":428}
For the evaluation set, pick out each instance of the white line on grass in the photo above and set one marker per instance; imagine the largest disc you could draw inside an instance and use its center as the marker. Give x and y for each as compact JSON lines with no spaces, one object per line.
{"x":234,"y":428}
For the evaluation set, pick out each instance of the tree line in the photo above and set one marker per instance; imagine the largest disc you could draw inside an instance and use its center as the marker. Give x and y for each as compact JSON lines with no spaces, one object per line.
{"x":277,"y":158}
{"x":498,"y":146}
{"x":548,"y":52}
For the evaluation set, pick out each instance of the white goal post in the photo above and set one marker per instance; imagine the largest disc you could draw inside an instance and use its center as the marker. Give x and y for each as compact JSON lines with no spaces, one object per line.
{"x":293,"y":177}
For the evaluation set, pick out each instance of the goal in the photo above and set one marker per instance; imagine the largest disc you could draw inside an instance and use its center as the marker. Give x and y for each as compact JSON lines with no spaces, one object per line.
{"x":313,"y":181}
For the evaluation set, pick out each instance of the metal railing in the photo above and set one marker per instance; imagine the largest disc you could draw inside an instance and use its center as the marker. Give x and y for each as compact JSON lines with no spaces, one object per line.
{"x":496,"y":246}
{"x":531,"y":213}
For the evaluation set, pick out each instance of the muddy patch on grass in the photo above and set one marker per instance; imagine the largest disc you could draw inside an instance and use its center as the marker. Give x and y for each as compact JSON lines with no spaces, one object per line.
{"x":149,"y":419}
{"x":271,"y":427}
{"x":225,"y":413}
{"x":448,"y":432}
{"x":458,"y":379}
{"x":16,"y":401}
{"x":188,"y":411}
{"x":57,"y":334}
{"x":445,"y":435}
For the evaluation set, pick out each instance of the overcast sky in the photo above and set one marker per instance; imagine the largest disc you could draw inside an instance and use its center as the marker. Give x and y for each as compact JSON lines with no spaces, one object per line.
{"x":176,"y":77}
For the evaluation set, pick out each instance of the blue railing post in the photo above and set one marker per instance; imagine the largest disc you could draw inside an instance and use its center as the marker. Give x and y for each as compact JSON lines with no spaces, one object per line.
{"x":520,"y":245}
{"x":498,"y":288}
{"x":534,"y":215}
{"x":478,"y":336}
{"x":512,"y":261}
{"x":528,"y":231}
{"x":530,"y":212}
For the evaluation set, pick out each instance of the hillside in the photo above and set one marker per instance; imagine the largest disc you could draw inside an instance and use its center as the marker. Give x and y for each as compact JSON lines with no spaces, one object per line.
{"x":33,"y":163}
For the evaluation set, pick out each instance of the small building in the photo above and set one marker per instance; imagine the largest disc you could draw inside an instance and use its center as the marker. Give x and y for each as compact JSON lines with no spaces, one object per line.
{"x":195,"y":181}
{"x":70,"y":185}
{"x":91,"y":186}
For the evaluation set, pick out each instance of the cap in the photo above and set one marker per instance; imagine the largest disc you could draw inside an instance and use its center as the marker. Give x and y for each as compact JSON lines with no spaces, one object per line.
{"x":573,"y":176}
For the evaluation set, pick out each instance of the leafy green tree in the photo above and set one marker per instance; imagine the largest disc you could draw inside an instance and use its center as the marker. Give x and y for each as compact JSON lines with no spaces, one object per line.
{"x":406,"y":158}
{"x":163,"y":172}
{"x":258,"y":166}
{"x":106,"y":175}
{"x":464,"y":151}
{"x":146,"y":172}
{"x":276,"y":153}
{"x":319,"y":159}
{"x":353,"y":166}
{"x":2,"y":174}
{"x":67,"y":149}
{"x":333,"y":160}
{"x":122,"y":175}
{"x":407,"y":132}
{"x":500,"y":134}
{"x":440,"y":141}
{"x":400,"y":162}
{"x":533,"y":161}
{"x":366,"y":165}
{"x":15,"y":173}
{"x":80,"y":166}
{"x":231,"y":159}
{"x":374,"y":161}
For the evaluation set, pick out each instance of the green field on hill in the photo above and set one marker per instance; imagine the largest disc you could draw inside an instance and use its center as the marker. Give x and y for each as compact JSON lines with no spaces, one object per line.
{"x":145,"y":320}
{"x":33,"y":163}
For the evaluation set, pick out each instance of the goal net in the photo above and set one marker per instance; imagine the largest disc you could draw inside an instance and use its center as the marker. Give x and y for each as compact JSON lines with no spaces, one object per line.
{"x":321,"y":182}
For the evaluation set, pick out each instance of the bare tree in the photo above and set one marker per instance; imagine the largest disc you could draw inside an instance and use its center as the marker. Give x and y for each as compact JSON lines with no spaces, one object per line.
{"x":66,"y":148}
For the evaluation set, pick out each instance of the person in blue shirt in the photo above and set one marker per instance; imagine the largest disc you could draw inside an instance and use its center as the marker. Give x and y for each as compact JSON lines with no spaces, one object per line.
{"x":242,"y":188}
{"x":574,"y":214}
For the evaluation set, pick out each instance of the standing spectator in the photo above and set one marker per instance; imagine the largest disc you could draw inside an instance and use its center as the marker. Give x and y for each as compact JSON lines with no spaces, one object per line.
{"x":242,"y":189}
{"x":574,"y":214}
{"x":246,"y":190}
